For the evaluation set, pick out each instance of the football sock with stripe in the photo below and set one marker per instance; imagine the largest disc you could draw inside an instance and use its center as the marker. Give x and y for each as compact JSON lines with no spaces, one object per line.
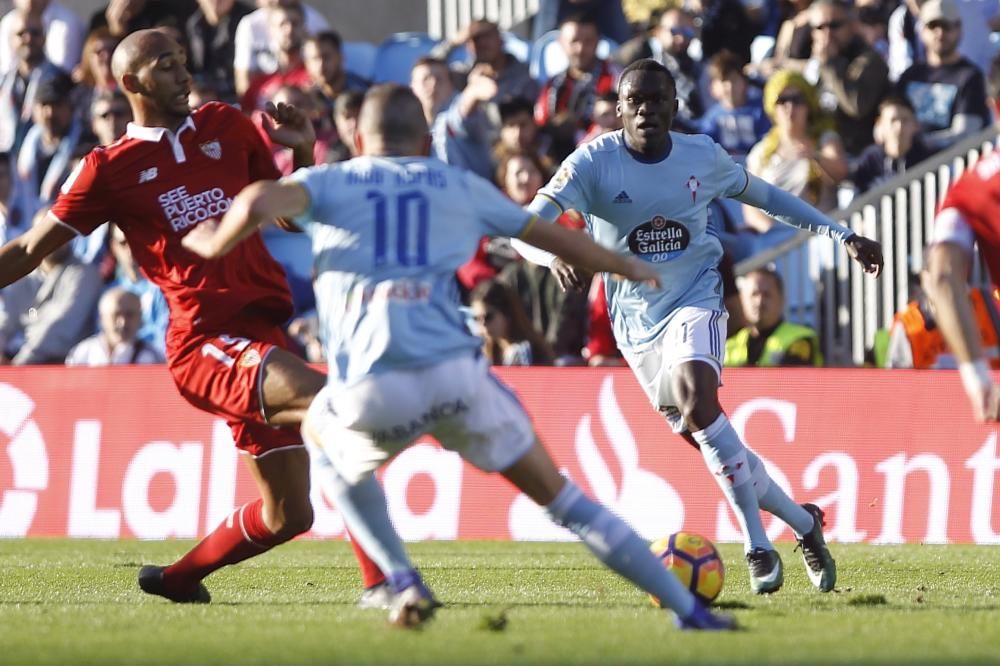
{"x":240,"y":536}
{"x":773,"y":499}
{"x":726,"y":458}
{"x":618,"y":547}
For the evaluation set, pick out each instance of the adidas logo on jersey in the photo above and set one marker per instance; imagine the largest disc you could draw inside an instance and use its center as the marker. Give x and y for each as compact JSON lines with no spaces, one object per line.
{"x":622,"y":197}
{"x":147,"y":175}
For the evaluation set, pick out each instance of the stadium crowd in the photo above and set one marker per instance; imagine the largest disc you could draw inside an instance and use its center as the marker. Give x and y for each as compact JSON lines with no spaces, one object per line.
{"x":846,"y":97}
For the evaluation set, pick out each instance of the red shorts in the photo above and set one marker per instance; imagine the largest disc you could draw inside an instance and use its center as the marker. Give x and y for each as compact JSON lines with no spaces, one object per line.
{"x":220,"y":373}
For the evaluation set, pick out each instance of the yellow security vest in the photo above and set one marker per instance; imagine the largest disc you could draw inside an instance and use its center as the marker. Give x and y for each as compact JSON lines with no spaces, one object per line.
{"x":775,"y":347}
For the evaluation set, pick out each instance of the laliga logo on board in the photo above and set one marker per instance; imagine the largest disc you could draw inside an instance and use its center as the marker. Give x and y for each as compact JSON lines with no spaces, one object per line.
{"x":29,"y":462}
{"x":644,"y":499}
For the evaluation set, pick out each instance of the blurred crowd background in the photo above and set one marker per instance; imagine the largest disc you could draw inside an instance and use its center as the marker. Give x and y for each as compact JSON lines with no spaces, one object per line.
{"x":823,"y":98}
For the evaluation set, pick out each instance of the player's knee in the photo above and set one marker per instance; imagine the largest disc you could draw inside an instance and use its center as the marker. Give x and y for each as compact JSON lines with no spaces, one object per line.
{"x":297,"y":521}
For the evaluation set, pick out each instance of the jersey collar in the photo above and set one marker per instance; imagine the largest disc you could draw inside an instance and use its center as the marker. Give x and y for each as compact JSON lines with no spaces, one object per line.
{"x":156,"y":134}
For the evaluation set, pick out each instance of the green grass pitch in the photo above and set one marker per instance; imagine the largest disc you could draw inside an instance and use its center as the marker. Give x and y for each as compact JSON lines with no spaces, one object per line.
{"x":76,"y":602}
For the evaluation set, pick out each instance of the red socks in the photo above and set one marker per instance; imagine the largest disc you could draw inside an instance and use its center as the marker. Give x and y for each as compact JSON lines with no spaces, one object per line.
{"x":241,"y":536}
{"x":371,"y":575}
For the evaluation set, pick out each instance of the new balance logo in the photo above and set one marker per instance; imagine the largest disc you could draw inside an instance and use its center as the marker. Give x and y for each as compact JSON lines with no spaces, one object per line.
{"x":622,"y":197}
{"x":147,"y":175}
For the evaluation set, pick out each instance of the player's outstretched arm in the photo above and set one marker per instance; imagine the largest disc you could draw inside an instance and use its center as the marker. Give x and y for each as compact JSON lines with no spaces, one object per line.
{"x":948,"y":292}
{"x":578,"y":249}
{"x":258,"y":202}
{"x":23,"y":254}
{"x":791,"y":210}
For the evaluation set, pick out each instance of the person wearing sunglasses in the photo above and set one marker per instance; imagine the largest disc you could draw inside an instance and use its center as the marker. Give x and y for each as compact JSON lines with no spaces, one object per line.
{"x":947,"y":91}
{"x":853,"y":75}
{"x":801,"y":153}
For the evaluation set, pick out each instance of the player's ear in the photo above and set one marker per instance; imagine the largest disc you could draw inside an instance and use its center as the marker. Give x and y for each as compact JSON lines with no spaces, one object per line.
{"x":618,"y":108}
{"x":130,"y":83}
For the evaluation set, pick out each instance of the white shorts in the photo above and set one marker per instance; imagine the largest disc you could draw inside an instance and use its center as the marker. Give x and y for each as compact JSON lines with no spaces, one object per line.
{"x":693,"y":334}
{"x":459,"y":402}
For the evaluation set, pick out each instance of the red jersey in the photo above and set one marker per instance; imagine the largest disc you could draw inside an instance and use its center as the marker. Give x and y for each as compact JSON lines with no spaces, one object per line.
{"x":156,"y":185}
{"x":976,"y":198}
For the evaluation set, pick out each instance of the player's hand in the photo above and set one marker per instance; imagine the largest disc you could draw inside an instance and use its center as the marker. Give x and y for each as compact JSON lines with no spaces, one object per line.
{"x":985,"y":399}
{"x":201,"y":240}
{"x":640,"y":271}
{"x":288,"y":126}
{"x":570,"y":278}
{"x":866,"y":252}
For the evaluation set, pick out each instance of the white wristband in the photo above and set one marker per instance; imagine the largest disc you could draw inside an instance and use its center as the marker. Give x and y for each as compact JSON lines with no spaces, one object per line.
{"x":975,"y":375}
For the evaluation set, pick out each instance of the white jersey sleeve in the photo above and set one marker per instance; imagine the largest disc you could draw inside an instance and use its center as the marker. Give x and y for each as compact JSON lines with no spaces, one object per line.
{"x":498,"y":215}
{"x":318,"y":184}
{"x":951,"y":227}
{"x":569,"y":189}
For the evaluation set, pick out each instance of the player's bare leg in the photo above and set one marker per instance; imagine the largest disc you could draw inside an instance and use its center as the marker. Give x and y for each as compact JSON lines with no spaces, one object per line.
{"x":695,"y":386}
{"x":289,"y":386}
{"x":608,"y":537}
{"x":284,"y":509}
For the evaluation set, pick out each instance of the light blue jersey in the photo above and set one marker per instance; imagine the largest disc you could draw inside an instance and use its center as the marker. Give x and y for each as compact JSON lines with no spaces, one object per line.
{"x":657,"y":211}
{"x":388,"y":235}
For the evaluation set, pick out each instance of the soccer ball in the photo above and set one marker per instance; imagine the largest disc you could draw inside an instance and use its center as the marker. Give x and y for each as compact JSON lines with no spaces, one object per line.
{"x":695,"y":562}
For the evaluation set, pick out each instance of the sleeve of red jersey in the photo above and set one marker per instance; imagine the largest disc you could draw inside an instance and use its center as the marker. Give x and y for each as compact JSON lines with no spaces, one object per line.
{"x":84,"y":203}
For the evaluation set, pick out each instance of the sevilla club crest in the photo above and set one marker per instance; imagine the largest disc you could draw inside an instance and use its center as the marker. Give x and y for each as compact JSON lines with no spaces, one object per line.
{"x":212,"y":149}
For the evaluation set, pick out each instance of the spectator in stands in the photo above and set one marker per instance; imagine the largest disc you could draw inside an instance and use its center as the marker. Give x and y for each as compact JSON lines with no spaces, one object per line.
{"x":328,"y":79}
{"x":605,"y":118}
{"x":853,"y":76}
{"x":117,"y":342}
{"x":62,"y":27}
{"x":561,"y":316}
{"x":898,"y":146}
{"x":123,"y":17}
{"x":735,"y":121}
{"x":768,"y":340}
{"x":573,"y":91}
{"x":211,"y":35}
{"x":459,"y":127}
{"x":19,"y":85}
{"x":345,"y":119}
{"x":947,"y":92}
{"x":46,"y":155}
{"x":155,"y":313}
{"x":873,"y":25}
{"x":731,"y":25}
{"x":110,"y":114}
{"x":508,"y":337}
{"x":48,"y":311}
{"x":801,"y":153}
{"x":607,"y":14}
{"x":905,"y":47}
{"x":979,"y":19}
{"x":287,"y":23}
{"x":202,"y":91}
{"x":484,"y":44}
{"x":13,"y":222}
{"x":93,"y":75}
{"x":254,"y":54}
{"x":915,"y":340}
{"x":518,"y":131}
{"x":792,"y":46}
{"x":669,"y":45}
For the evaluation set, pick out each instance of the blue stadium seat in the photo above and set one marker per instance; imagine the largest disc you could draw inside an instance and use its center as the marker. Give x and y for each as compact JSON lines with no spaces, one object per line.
{"x":547,"y":57}
{"x":359,"y":58}
{"x":397,"y":54}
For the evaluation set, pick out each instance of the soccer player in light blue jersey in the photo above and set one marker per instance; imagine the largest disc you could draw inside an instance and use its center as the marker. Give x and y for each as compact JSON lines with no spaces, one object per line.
{"x":644,"y":192}
{"x":389,"y":230}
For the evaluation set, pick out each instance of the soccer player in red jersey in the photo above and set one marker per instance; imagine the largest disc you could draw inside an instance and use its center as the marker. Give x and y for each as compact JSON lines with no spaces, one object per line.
{"x":226,"y":348}
{"x":969,"y":214}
